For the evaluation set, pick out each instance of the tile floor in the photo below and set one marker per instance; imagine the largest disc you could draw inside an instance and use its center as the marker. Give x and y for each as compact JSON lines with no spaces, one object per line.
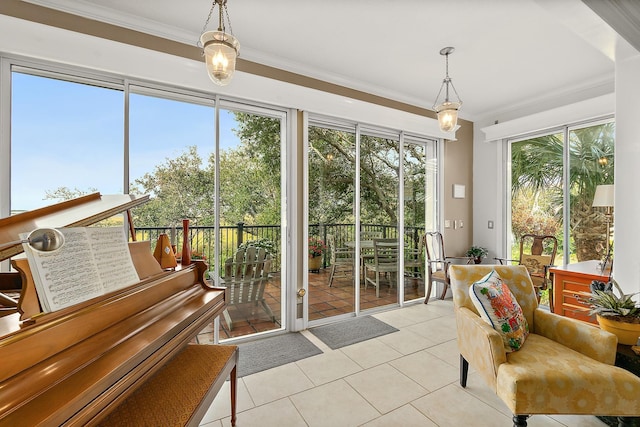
{"x":407,"y":378}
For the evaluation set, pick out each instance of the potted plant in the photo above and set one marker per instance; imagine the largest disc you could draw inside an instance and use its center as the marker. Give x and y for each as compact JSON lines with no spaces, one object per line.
{"x":477,"y":253}
{"x":618,"y":314}
{"x":264,"y":243}
{"x":317,"y":248}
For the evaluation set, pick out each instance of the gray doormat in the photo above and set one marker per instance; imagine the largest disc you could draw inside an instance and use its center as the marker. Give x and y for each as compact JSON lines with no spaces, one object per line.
{"x":266,"y":353}
{"x":351,"y":331}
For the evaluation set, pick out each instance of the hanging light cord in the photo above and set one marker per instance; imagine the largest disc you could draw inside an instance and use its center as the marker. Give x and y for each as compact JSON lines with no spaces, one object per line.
{"x":221,"y":27}
{"x":445,"y":83}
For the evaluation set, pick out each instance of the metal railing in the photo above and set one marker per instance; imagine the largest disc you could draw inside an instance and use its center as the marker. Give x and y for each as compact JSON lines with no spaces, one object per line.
{"x":231,"y":237}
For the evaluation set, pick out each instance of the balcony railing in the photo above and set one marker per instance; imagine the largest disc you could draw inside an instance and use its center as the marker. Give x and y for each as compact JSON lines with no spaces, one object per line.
{"x":231,"y":237}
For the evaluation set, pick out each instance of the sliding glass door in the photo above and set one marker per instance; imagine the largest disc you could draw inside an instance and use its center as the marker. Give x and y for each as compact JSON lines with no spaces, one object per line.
{"x":366,"y":186}
{"x":553,"y":180}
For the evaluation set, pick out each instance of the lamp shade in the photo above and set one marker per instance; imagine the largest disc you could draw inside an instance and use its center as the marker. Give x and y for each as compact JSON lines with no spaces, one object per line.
{"x":448,"y":115}
{"x":220,"y":51}
{"x":604,"y":196}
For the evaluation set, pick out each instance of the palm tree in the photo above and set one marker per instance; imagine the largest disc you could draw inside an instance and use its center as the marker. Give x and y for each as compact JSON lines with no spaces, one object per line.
{"x":537,"y":166}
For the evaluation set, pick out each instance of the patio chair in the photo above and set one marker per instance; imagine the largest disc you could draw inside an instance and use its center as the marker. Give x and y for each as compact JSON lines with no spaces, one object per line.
{"x":342,"y":258}
{"x":385,"y":263}
{"x":246,"y":274}
{"x":538,"y":263}
{"x":414,"y":259}
{"x":366,"y":249}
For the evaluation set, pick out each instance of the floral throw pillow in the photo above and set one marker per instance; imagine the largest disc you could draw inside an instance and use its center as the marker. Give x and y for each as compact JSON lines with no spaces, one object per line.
{"x":498,"y":307}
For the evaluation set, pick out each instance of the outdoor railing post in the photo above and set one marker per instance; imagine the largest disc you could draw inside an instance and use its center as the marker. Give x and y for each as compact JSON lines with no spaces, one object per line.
{"x":240,"y":233}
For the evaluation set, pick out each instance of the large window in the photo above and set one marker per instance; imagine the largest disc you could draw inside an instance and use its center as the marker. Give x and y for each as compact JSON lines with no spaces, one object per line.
{"x":553,"y":180}
{"x":66,"y":139}
{"x":212,"y":161}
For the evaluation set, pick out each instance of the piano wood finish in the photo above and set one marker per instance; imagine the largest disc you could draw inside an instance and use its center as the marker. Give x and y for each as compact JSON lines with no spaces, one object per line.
{"x":75,"y":365}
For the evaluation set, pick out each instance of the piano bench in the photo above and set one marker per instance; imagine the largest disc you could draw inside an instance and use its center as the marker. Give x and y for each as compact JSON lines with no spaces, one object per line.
{"x":180,"y":393}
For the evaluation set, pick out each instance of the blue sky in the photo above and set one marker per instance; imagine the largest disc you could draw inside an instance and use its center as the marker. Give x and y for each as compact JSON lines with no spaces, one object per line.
{"x":71,"y":135}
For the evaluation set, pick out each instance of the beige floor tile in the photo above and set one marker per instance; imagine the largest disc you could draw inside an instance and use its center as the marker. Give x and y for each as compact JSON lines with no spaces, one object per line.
{"x":406,"y":342}
{"x":575,"y":420}
{"x":221,"y":406}
{"x":276,"y":383}
{"x":408,"y":316}
{"x":442,"y":307}
{"x":406,"y":416}
{"x":370,"y":353}
{"x":477,"y":388}
{"x":215,"y":423}
{"x":438,"y":330}
{"x":451,"y":406}
{"x":334,"y":404}
{"x":427,"y":370}
{"x":447,"y":351}
{"x":275,"y":414}
{"x":385,"y":387}
{"x":328,"y":367}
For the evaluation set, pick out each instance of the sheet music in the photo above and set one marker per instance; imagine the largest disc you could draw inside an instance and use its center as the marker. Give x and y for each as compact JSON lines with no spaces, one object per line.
{"x":92,"y":262}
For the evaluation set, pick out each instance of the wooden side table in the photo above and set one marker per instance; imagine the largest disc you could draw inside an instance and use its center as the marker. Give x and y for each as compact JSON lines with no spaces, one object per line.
{"x":571,"y":284}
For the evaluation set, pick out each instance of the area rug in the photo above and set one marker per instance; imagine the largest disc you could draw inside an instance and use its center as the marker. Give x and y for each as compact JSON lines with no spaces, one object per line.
{"x":340,"y":334}
{"x":267,"y":353}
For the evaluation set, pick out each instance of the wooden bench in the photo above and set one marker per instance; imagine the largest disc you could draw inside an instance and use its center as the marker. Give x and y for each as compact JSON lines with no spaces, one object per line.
{"x":182,"y":391}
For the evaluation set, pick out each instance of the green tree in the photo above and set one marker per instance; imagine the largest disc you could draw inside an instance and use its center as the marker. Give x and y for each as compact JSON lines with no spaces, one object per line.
{"x":250,"y":174}
{"x":65,"y":193}
{"x":537,"y":167}
{"x":182,"y":187}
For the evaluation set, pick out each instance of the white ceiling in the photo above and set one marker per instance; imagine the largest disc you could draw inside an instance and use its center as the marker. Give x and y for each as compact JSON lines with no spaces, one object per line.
{"x":512,"y":57}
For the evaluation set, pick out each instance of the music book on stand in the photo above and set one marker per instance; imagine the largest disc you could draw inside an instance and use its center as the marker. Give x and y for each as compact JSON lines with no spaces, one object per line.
{"x":92,"y":262}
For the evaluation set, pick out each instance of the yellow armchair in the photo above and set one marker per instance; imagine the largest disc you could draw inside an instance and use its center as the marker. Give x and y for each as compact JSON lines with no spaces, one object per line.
{"x":564,"y":367}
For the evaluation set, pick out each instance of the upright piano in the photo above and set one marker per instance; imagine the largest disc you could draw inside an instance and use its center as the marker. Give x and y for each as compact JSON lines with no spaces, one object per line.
{"x":90,"y":363}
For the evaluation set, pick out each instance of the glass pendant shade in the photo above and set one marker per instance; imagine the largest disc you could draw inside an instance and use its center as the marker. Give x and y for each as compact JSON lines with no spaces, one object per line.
{"x":220,"y":51}
{"x":448,"y":115}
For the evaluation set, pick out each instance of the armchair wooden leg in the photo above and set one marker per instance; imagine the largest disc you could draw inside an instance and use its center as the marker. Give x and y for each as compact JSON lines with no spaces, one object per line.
{"x":520,"y":420}
{"x":464,"y":370}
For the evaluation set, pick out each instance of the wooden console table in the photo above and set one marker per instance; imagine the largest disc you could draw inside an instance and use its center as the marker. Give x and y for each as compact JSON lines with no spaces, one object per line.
{"x":570,"y":284}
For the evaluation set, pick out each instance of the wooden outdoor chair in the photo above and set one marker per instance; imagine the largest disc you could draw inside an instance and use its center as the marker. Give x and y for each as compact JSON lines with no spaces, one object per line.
{"x":537,"y":254}
{"x":246,"y":274}
{"x":385,"y":263}
{"x":366,"y":254}
{"x":414,"y":259}
{"x":342,"y":258}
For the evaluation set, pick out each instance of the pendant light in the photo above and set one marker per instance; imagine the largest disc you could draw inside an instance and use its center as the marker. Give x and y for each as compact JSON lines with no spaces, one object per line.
{"x":447,"y":110}
{"x":220,"y":48}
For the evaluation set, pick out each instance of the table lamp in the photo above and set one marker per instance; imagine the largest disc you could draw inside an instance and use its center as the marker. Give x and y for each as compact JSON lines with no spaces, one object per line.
{"x":604,"y":198}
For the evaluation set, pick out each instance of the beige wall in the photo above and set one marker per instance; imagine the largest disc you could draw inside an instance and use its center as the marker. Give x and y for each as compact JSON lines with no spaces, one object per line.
{"x":458,"y":169}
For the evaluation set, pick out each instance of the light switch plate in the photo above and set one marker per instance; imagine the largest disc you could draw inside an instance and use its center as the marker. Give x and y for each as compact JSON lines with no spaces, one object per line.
{"x":490,"y":224}
{"x":447,"y":223}
{"x":460,"y":223}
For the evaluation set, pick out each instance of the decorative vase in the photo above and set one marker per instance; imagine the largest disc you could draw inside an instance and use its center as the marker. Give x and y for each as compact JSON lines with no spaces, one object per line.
{"x":627,"y":333}
{"x":186,"y":244}
{"x":477,"y":260}
{"x":315,"y":263}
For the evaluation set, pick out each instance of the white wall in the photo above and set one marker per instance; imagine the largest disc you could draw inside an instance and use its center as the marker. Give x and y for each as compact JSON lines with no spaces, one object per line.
{"x":626,"y":267}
